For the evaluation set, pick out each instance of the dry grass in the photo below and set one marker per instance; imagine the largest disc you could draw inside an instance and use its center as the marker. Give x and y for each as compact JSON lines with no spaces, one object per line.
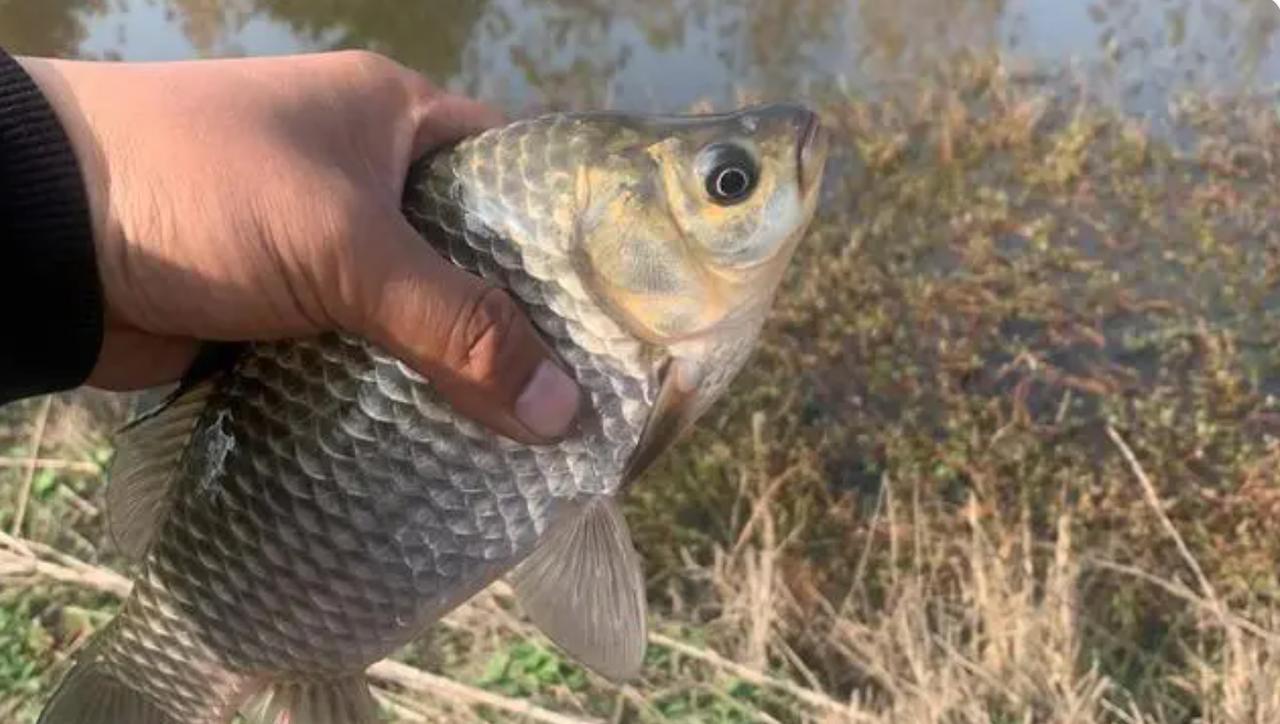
{"x":1007,"y":454}
{"x":988,"y":631}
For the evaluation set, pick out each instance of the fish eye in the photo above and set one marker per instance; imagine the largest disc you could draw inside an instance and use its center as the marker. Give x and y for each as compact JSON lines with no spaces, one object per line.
{"x":731,"y":174}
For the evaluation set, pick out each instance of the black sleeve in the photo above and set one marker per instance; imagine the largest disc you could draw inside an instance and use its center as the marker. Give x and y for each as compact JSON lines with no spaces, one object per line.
{"x":51,"y":310}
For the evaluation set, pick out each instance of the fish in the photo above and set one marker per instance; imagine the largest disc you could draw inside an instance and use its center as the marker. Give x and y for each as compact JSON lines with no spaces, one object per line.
{"x":309,"y":507}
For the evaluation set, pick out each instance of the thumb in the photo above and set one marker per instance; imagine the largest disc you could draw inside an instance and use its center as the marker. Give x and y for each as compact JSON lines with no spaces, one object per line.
{"x":468,"y":337}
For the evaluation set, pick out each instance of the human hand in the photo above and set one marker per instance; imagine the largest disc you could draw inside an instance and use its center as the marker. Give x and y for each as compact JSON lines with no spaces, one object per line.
{"x":259,"y":199}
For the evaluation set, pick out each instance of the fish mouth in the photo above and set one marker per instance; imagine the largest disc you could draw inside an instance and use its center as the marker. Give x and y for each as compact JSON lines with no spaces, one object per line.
{"x":811,"y":153}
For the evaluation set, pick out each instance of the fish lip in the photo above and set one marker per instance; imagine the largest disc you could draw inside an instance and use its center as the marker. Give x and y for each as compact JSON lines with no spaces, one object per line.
{"x":811,"y":152}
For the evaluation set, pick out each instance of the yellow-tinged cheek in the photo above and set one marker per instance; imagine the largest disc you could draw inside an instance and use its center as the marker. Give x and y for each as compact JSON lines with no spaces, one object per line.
{"x":710,"y":215}
{"x":666,"y":318}
{"x":641,"y":266}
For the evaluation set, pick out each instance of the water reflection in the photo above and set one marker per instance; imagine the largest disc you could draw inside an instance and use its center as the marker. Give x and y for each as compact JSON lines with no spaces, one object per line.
{"x":669,"y":53}
{"x":210,"y":24}
{"x":915,"y":33}
{"x":430,"y":36}
{"x":46,"y":27}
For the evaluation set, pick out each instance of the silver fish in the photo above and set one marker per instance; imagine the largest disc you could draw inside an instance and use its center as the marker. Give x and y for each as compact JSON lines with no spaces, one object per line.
{"x":315,"y":507}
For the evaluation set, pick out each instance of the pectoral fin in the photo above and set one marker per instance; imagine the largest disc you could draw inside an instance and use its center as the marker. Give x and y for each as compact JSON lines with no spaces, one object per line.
{"x":673,"y":412}
{"x":584,"y":590}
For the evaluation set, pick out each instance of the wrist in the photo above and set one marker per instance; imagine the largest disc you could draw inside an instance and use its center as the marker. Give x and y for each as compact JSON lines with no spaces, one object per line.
{"x":46,"y":239}
{"x":57,"y":80}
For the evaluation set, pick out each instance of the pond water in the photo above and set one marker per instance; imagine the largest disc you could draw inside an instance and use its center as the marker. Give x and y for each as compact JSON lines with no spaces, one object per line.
{"x":667,"y":54}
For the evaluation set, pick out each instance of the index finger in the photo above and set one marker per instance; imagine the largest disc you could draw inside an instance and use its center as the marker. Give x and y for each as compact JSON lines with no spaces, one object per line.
{"x":441,"y":117}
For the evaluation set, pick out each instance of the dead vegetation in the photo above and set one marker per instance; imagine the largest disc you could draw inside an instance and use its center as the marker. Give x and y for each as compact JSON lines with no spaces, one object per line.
{"x":1008,"y":453}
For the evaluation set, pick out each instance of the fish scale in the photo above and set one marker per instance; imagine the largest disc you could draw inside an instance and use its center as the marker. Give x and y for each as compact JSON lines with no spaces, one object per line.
{"x":329,"y":504}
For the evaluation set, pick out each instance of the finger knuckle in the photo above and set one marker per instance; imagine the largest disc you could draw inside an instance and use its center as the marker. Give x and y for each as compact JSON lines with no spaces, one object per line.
{"x":367,"y":61}
{"x":386,"y":81}
{"x":418,"y":88}
{"x":481,"y":331}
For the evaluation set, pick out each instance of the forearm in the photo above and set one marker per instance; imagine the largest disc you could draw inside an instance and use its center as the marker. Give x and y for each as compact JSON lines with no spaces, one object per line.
{"x":51,"y":308}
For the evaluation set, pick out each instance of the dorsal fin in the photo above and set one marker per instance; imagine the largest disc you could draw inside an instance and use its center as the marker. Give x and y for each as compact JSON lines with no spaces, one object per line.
{"x":211,"y":360}
{"x":148,"y":451}
{"x":150,"y":447}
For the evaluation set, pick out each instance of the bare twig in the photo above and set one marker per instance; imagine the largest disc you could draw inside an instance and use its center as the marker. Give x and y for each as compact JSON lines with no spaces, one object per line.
{"x":1153,"y":500}
{"x":70,"y":466}
{"x":1182,"y":592}
{"x":403,"y":713}
{"x":760,"y":509}
{"x":394,"y":672}
{"x":24,"y":491}
{"x":815,"y":699}
{"x":21,"y":559}
{"x":860,"y":570}
{"x":812,"y":698}
{"x":78,"y":502}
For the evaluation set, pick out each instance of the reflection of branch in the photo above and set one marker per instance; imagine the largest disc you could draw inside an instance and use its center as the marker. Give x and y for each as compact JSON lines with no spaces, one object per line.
{"x":22,"y":562}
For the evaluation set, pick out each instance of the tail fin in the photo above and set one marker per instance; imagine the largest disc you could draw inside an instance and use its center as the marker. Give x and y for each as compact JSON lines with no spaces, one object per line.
{"x":336,"y":701}
{"x":92,"y":695}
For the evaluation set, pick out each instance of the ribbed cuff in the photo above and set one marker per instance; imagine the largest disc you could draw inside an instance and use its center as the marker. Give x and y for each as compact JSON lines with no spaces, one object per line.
{"x":51,"y":309}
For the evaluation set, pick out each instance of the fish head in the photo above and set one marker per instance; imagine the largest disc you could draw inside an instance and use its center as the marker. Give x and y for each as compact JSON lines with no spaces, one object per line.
{"x":688,"y":222}
{"x":688,"y":225}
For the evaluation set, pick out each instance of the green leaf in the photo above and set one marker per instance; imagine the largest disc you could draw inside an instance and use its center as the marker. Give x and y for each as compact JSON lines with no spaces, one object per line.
{"x":496,"y":669}
{"x":43,"y":483}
